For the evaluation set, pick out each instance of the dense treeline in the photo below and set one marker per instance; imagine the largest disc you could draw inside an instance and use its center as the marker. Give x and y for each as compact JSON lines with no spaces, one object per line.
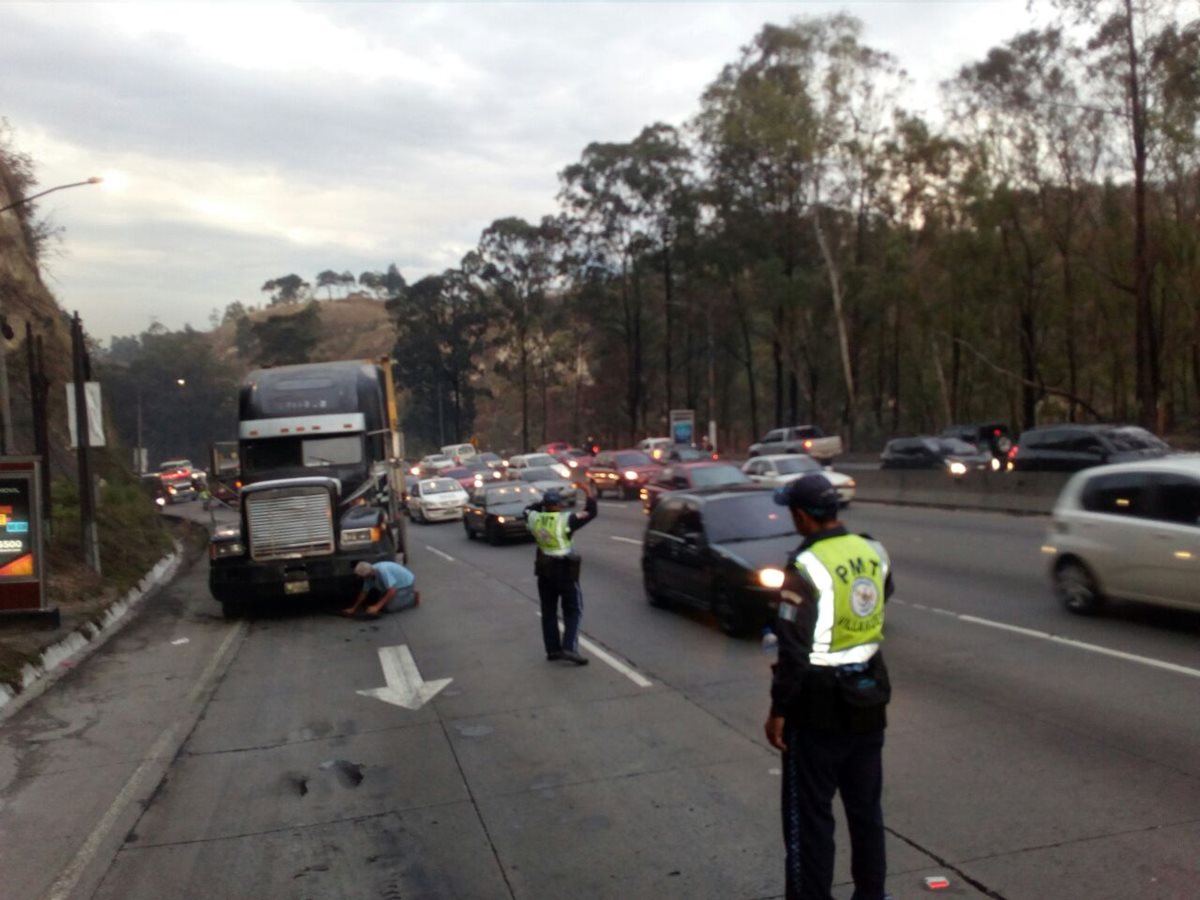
{"x":807,"y":250}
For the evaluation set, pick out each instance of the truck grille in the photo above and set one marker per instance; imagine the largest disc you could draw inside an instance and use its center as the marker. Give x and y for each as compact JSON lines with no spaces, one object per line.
{"x":289,"y":522}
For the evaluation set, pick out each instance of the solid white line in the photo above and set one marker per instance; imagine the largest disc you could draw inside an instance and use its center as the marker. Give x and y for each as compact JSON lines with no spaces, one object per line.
{"x":625,"y":540}
{"x":628,"y":671}
{"x":445,"y":556}
{"x":1080,"y":645}
{"x":634,"y":676}
{"x":69,"y":878}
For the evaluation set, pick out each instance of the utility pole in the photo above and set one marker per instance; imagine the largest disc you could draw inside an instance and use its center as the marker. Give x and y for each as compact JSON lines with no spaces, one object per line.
{"x":39,"y":394}
{"x":87,"y":497}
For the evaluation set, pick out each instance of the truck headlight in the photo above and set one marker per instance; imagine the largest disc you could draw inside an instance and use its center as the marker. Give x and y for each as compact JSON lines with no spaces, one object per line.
{"x":226,"y":548}
{"x":351,"y":536}
{"x":957,"y":468}
{"x":771,"y":578}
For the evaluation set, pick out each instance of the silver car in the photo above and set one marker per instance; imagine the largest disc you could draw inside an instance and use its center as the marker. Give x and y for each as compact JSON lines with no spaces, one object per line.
{"x":1129,"y":531}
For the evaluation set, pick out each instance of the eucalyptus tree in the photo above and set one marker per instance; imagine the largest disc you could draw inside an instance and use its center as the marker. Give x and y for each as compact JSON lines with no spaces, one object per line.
{"x":440,"y":329}
{"x":605,"y":218}
{"x":793,"y":133}
{"x":517,"y":265}
{"x":1133,"y":80}
{"x":1034,"y":148}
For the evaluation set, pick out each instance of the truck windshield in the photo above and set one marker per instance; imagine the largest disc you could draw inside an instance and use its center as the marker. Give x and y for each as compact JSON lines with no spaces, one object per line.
{"x":284,"y":453}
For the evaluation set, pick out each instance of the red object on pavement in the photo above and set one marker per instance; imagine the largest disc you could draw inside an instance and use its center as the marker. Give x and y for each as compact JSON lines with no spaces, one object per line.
{"x":937,"y":882}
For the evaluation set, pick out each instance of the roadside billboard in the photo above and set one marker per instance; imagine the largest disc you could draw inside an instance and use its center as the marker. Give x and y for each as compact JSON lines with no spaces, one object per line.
{"x":683,"y":426}
{"x":21,"y":564}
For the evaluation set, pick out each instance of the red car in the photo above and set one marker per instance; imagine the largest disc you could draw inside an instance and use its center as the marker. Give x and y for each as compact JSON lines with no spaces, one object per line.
{"x":575,"y":459}
{"x":688,"y":475}
{"x":461,"y":474}
{"x":624,"y":471}
{"x":555,"y":447}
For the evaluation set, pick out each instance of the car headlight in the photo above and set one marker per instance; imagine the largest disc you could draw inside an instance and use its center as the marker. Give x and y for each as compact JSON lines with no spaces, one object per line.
{"x":851,"y":483}
{"x":771,"y":578}
{"x":352,"y":536}
{"x":957,"y":468}
{"x":995,"y":464}
{"x":631,"y":475}
{"x":500,"y":520}
{"x":226,"y":548}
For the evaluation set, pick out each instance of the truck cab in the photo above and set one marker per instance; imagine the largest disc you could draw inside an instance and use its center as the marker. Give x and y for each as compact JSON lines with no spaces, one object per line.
{"x":320,"y":483}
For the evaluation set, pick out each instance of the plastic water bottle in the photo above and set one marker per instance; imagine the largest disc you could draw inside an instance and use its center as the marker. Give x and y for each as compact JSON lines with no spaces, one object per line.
{"x":770,"y":643}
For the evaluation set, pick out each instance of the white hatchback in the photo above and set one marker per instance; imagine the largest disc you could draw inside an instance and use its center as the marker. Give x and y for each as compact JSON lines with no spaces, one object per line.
{"x":1129,"y":531}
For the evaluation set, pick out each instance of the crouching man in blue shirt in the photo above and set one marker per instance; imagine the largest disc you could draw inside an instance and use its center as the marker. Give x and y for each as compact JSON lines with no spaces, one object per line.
{"x":389,"y":584}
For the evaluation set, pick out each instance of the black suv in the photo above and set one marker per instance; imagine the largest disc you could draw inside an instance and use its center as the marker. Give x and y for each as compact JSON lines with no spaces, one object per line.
{"x":992,"y":437}
{"x":1069,"y":448}
{"x":957,"y":457}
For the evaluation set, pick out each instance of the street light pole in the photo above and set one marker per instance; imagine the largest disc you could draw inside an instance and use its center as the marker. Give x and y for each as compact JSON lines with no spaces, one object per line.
{"x":95,"y":179}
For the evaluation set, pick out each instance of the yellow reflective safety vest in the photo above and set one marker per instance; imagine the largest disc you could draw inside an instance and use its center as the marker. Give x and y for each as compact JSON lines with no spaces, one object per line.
{"x":549,"y":529}
{"x":849,"y":573}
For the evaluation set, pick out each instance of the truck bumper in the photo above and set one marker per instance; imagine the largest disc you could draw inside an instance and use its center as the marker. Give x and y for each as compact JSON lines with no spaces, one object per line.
{"x":248,"y":582}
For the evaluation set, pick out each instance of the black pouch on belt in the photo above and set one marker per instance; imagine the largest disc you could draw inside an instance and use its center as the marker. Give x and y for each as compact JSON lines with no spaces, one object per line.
{"x":574,"y":564}
{"x":864,"y":685}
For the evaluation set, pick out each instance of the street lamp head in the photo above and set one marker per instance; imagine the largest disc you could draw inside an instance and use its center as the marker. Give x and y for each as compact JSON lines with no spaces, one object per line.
{"x":181,"y":381}
{"x":95,"y":179}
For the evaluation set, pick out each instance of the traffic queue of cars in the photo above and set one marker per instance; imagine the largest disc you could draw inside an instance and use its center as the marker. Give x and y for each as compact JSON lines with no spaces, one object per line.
{"x":1125,"y":527}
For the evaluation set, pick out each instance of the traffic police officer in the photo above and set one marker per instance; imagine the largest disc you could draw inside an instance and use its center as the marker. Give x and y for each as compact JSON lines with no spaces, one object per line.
{"x":557,"y":570}
{"x":829,"y":694}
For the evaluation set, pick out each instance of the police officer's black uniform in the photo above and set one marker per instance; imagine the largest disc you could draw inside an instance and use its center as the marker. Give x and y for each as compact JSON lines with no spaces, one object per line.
{"x":832,"y":714}
{"x":557,"y":573}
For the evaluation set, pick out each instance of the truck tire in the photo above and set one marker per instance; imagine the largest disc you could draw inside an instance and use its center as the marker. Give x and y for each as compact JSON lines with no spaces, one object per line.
{"x":232,"y":610}
{"x":493,"y":534}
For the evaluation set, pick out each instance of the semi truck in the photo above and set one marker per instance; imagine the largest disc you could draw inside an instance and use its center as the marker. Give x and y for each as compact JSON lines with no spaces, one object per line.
{"x":319,"y":448}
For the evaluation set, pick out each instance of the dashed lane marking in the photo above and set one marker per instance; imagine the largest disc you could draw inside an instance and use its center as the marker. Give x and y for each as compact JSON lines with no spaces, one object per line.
{"x":625,"y":540}
{"x":445,"y":556}
{"x":1059,"y":639}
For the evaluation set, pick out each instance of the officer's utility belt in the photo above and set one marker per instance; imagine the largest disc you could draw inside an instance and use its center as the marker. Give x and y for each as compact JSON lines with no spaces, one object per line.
{"x":557,"y":566}
{"x":864,"y":684}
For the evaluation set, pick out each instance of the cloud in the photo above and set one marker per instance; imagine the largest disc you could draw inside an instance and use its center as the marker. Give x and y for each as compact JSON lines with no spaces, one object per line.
{"x":262,"y":139}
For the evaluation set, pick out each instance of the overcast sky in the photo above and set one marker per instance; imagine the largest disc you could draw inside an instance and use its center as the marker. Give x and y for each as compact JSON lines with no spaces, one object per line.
{"x":243,"y":142}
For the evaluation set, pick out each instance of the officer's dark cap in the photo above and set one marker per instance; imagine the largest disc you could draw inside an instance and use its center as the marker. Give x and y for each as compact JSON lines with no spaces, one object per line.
{"x":812,"y":493}
{"x":553,"y":497}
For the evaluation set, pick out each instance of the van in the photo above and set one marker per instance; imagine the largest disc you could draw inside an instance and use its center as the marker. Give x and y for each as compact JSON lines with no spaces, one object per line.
{"x":459,"y":452}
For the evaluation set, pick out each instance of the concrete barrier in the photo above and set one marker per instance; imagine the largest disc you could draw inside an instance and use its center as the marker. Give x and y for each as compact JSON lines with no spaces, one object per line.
{"x":1014,"y":492}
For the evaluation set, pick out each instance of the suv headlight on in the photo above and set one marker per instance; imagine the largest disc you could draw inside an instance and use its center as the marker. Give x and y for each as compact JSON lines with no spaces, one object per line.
{"x":354,"y":536}
{"x":771,"y":578}
{"x":956,"y":468}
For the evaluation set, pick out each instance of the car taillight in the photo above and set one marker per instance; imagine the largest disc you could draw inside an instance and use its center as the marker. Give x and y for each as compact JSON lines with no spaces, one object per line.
{"x":1012,"y":452}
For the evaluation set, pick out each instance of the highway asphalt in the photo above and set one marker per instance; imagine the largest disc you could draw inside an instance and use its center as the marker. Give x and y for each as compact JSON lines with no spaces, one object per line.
{"x":1031,"y":753}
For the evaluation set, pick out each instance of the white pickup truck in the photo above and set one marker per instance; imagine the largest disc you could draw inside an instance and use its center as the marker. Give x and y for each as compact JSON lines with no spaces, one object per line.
{"x":807,"y":439}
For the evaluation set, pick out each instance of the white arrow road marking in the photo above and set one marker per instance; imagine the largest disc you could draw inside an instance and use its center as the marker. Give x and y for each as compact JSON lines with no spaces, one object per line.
{"x":405,"y":686}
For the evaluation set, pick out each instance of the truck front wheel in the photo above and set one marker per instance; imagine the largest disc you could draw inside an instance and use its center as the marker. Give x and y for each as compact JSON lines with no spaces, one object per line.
{"x":233,"y":610}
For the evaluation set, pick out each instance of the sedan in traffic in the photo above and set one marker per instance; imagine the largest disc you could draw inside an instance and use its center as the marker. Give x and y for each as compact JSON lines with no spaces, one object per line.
{"x":497,"y":511}
{"x":545,"y":479}
{"x":778,"y":469}
{"x":685,"y":476}
{"x":436,"y":500}
{"x":624,"y":472}
{"x":720,"y":549}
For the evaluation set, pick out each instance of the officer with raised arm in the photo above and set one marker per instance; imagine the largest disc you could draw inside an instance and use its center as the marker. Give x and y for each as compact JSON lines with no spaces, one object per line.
{"x":829,"y":694}
{"x":557,"y":569}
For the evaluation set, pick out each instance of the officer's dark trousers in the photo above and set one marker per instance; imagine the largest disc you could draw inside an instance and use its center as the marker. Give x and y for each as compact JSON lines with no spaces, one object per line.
{"x":552,"y":588}
{"x":816,"y":765}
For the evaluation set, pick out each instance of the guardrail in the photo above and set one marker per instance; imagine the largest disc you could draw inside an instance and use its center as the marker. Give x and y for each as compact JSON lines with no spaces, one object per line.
{"x":1015,"y":492}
